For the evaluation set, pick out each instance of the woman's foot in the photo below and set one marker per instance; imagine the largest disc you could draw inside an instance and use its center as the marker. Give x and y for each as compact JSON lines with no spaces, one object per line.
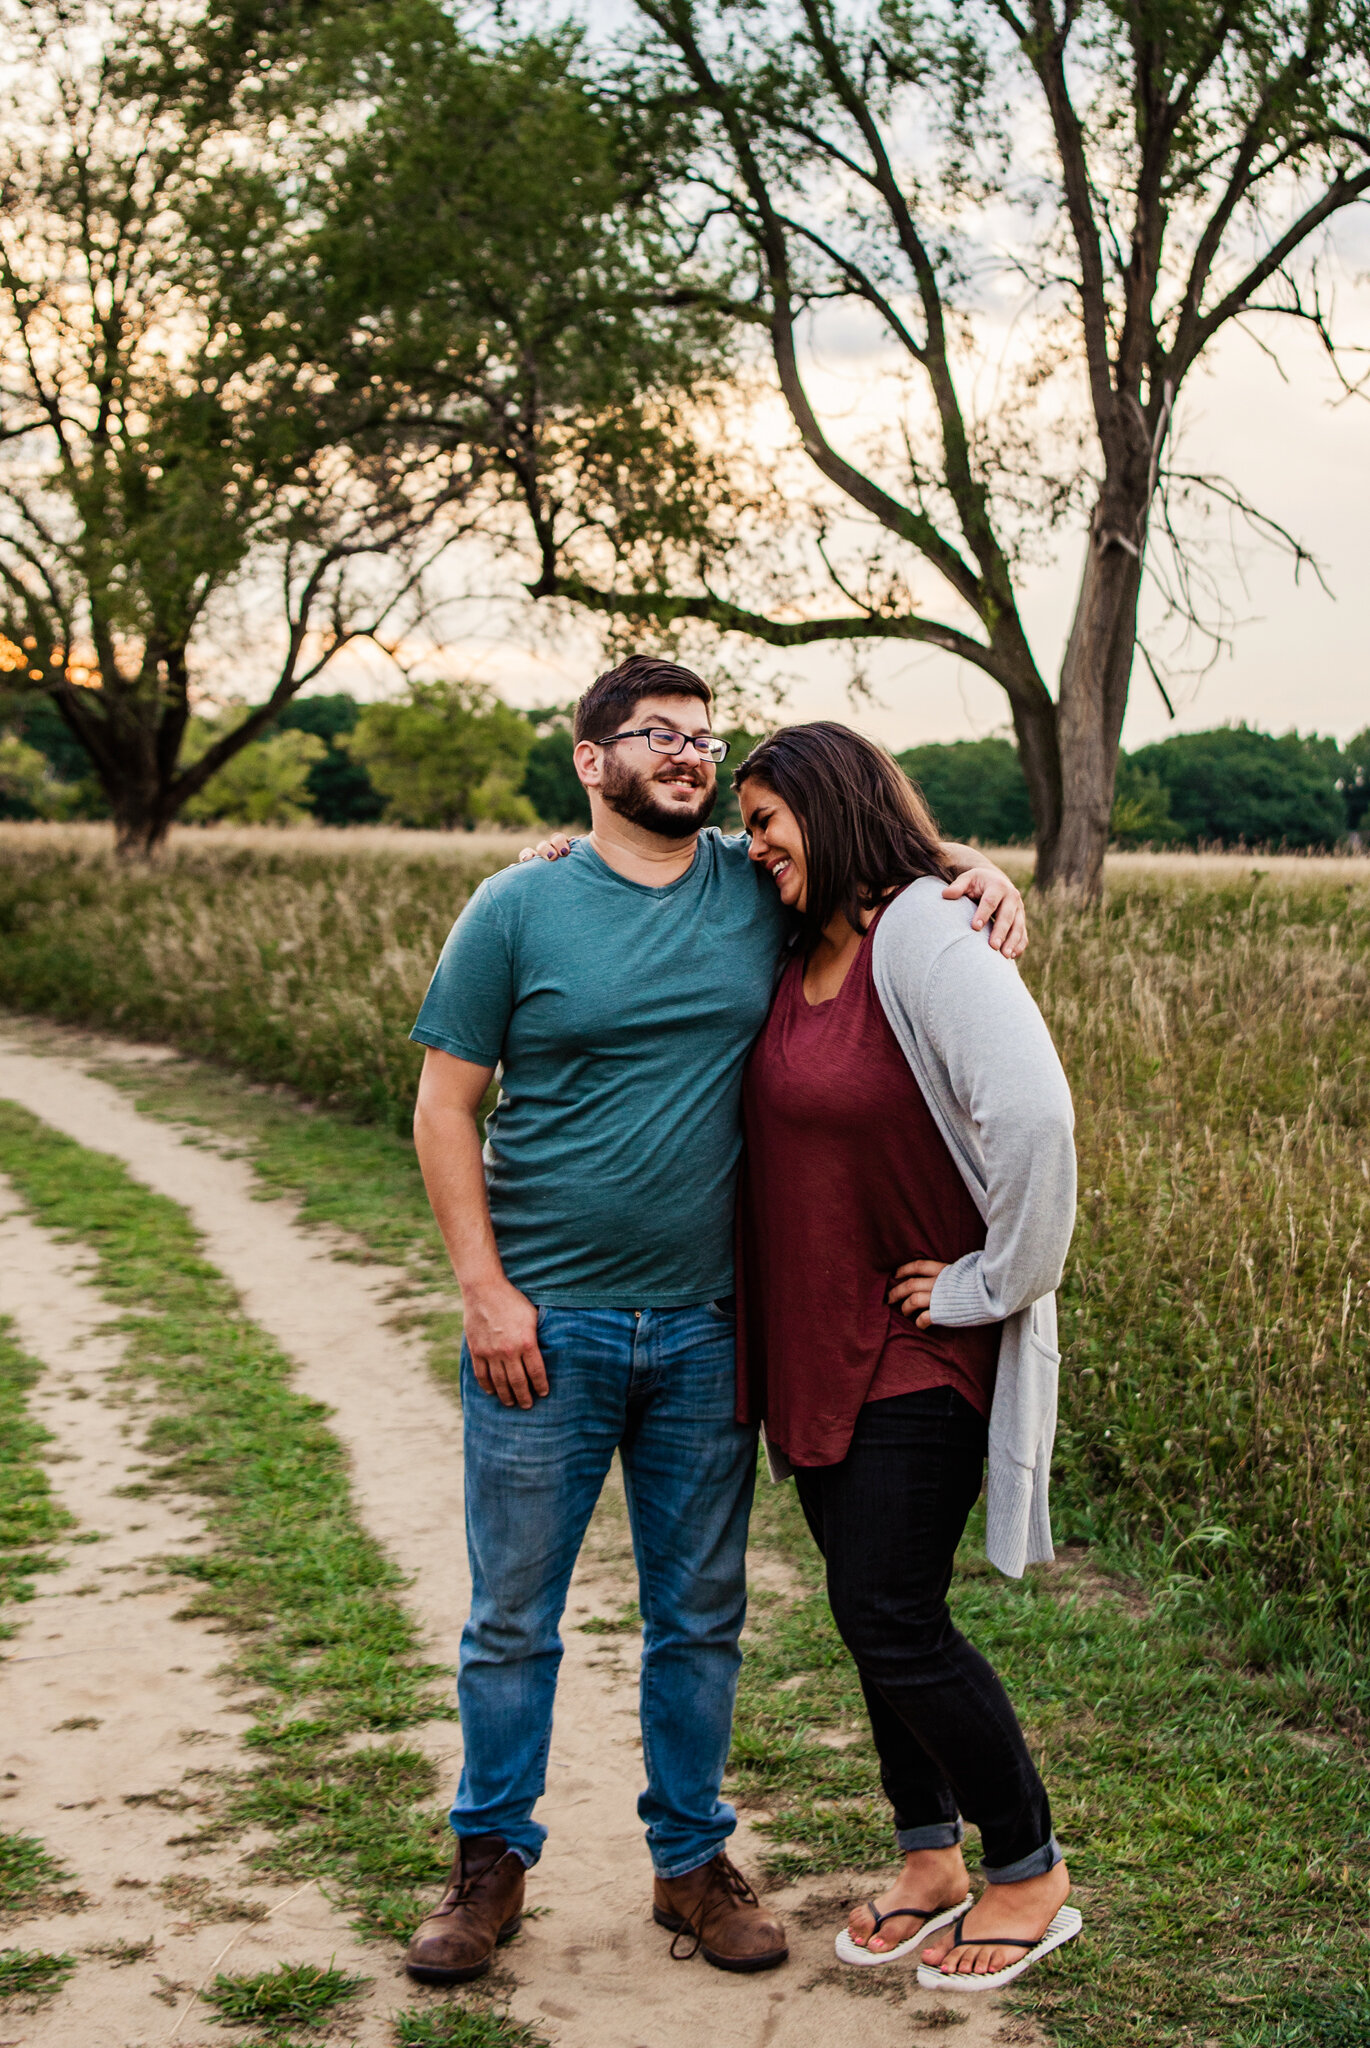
{"x":1023,"y":1911}
{"x":930,"y":1880}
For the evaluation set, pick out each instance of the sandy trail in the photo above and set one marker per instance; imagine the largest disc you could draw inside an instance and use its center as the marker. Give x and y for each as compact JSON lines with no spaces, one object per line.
{"x":591,"y":1971}
{"x":113,"y":1712}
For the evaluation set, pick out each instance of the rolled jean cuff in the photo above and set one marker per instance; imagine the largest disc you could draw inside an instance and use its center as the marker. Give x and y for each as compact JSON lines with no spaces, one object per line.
{"x":940,"y":1834}
{"x":1036,"y":1865}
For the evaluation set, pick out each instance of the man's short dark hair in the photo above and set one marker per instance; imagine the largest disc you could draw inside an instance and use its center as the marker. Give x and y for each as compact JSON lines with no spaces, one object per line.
{"x":612,"y":698}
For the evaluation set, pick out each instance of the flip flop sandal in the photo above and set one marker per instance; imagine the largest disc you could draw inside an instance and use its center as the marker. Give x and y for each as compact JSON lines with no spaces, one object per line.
{"x":851,"y":1952}
{"x":1064,"y":1927}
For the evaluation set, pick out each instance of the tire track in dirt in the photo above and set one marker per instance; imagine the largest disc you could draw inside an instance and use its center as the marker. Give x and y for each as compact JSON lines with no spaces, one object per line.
{"x":115,"y":1714}
{"x":590,"y":1970}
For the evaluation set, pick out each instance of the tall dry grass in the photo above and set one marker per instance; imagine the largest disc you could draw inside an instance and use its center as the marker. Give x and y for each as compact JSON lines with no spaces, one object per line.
{"x":293,"y":959}
{"x":1217,"y":1311}
{"x":1214,"y":1016}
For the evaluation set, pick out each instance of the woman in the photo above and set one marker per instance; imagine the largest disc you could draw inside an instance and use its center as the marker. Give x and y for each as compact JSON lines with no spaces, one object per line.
{"x":908,"y":1200}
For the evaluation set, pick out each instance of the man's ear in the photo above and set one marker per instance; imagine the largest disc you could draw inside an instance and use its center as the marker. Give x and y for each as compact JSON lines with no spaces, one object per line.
{"x":589,"y":764}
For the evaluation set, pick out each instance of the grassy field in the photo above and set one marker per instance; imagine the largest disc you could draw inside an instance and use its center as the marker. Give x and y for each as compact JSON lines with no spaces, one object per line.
{"x":1195,"y":1672}
{"x":298,"y":957}
{"x":1216,"y":1813}
{"x":1213,"y":1018}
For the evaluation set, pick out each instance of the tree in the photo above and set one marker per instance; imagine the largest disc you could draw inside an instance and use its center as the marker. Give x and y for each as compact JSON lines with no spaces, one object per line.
{"x":340,"y":790}
{"x":975,"y":788}
{"x":447,"y":754}
{"x":263,"y":783}
{"x":489,"y":263}
{"x":1234,"y":786}
{"x":28,"y":788}
{"x":1356,"y":779}
{"x":163,"y":440}
{"x":550,"y":782}
{"x":1135,"y":176}
{"x":1141,"y":807}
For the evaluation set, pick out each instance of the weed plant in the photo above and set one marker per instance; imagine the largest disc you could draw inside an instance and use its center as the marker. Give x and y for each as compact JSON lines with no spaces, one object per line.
{"x":453,"y":2026}
{"x":31,"y":1880}
{"x":27,"y":1976}
{"x":291,"y":1995}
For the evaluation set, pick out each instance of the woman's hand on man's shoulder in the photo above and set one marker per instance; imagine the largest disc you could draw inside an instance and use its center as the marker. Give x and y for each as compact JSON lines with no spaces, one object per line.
{"x":554,"y":848}
{"x":998,"y":903}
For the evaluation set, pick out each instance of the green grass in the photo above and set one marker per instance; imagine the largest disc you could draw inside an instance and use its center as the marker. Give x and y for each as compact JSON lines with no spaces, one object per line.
{"x":291,"y":1995}
{"x":29,"y":1976}
{"x":32,"y":1881}
{"x":322,"y":1641}
{"x":1218,"y":1832}
{"x":321,"y":1638}
{"x":455,"y":2026}
{"x":30,"y":1518}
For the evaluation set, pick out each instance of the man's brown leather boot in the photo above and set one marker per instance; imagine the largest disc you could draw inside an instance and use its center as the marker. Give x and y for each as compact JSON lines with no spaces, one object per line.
{"x":482,"y":1906}
{"x":716,"y":1909}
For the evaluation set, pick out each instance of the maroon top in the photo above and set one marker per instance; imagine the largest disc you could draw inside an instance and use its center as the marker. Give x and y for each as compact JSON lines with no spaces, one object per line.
{"x":845,"y":1177}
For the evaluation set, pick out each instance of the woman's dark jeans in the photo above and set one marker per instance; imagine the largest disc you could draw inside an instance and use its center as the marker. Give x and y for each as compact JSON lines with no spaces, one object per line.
{"x":888,"y":1519}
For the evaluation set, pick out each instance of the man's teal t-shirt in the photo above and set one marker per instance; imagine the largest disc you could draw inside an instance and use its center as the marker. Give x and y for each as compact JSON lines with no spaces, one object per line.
{"x":622,"y":1016}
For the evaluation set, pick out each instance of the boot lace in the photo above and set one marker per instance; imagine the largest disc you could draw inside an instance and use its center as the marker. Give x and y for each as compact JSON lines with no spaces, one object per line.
{"x":459,"y":1892}
{"x":725,"y":1885}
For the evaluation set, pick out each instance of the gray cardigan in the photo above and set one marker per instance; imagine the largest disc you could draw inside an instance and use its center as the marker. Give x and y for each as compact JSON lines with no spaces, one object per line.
{"x":984,"y":1060}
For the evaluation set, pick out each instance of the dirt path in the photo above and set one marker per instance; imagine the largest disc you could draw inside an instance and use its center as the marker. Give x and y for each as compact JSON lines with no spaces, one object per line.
{"x":591,"y":1971}
{"x":113,"y":1713}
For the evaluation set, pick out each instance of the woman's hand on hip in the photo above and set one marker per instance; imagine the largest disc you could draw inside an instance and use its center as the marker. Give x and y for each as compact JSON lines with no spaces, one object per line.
{"x":998,"y":897}
{"x":911,"y":1289}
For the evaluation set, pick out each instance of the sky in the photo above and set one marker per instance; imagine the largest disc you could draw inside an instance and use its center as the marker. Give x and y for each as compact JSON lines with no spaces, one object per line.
{"x":1299,"y":657}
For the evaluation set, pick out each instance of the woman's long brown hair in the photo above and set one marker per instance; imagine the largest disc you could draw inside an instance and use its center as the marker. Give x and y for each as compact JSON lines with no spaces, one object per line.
{"x":867,"y":830}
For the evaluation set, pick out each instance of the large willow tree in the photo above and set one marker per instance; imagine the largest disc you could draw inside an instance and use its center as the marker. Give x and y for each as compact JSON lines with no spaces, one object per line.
{"x":1135,"y":176}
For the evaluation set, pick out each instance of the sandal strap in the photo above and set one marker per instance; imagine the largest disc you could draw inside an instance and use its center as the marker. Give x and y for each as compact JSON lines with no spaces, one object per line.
{"x":985,"y":1940}
{"x":898,"y":1913}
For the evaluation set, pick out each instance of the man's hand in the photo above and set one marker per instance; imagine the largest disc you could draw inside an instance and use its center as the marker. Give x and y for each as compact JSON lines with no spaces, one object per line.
{"x":911,"y":1290}
{"x":502,"y":1337}
{"x":997,"y":897}
{"x":553,"y":849}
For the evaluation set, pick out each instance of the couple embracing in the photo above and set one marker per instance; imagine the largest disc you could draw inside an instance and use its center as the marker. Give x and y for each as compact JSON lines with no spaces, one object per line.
{"x":830,"y":1000}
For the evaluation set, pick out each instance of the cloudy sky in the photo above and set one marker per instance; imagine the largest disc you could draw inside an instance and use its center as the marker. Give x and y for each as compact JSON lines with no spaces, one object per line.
{"x":1299,"y":657}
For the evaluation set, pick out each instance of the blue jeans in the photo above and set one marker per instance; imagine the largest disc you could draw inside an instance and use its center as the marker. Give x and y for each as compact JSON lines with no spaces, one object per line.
{"x":657,"y":1386}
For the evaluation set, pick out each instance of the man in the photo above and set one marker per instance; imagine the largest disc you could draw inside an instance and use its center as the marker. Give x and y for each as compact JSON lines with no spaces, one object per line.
{"x":619,"y":993}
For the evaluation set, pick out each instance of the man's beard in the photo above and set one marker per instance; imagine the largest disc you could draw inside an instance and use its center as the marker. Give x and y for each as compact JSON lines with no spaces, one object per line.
{"x":634,"y":797}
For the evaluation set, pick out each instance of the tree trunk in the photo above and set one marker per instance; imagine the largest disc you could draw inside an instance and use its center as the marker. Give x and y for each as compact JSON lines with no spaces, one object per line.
{"x":140,"y":837}
{"x":137,"y":783}
{"x":1093,"y":698}
{"x":1035,"y":728}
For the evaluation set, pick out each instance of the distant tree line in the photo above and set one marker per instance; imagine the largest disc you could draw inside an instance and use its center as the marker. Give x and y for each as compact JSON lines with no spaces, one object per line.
{"x":1231,"y":786}
{"x":449,"y":755}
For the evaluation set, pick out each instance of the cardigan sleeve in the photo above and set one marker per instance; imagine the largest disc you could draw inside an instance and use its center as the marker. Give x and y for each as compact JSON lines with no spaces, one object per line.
{"x":1000,"y":1065}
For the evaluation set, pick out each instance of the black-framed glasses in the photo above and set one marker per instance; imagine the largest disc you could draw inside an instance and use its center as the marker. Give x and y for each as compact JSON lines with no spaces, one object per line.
{"x":662,"y":740}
